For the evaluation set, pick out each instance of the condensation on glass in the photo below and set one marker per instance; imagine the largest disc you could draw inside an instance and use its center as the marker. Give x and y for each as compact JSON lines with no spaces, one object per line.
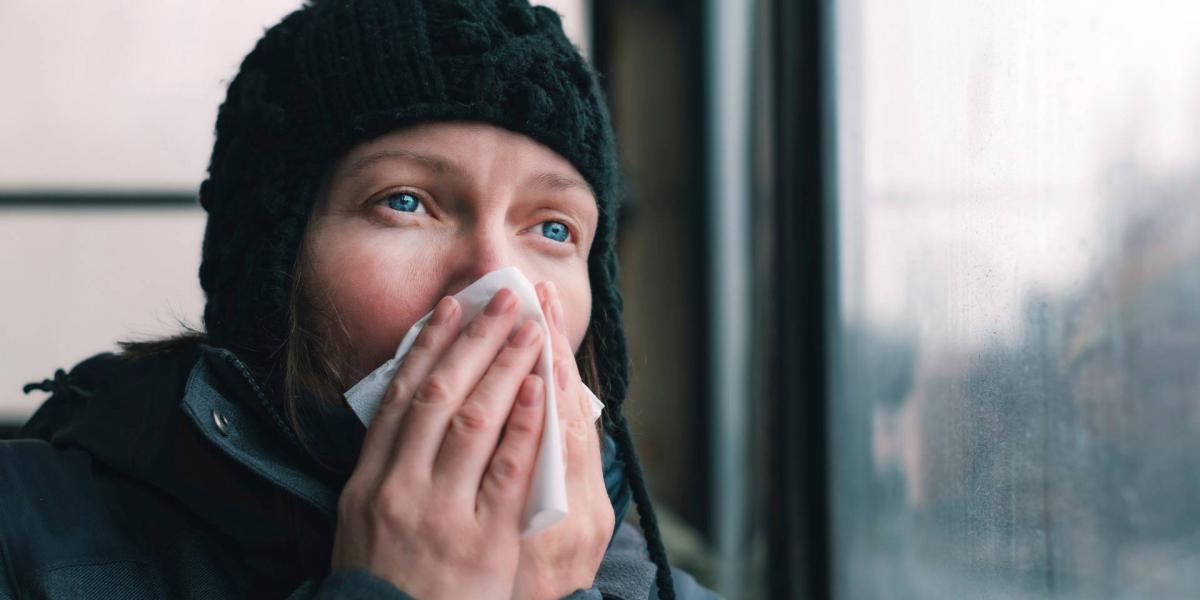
{"x":1016,"y":335}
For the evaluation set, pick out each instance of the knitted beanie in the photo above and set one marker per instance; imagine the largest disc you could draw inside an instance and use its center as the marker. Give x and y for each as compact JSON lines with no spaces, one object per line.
{"x":337,"y":73}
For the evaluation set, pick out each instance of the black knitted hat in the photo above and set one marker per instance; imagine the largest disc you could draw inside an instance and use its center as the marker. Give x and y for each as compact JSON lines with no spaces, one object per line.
{"x":337,"y":73}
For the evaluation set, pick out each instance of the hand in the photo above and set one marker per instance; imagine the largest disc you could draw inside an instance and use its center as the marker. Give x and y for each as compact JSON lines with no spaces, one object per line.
{"x":434,"y":503}
{"x":567,"y":556}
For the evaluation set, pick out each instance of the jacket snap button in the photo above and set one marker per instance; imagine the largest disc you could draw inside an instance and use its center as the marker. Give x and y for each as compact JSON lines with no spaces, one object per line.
{"x":221,"y":422}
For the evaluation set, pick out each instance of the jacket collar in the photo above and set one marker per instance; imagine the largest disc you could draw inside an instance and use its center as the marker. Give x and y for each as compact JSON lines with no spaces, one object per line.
{"x":234,"y":428}
{"x":126,"y":413}
{"x":229,"y":408}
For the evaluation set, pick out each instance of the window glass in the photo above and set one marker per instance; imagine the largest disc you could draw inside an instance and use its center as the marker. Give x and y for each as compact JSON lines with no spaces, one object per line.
{"x":120,"y":94}
{"x":77,"y":280}
{"x":1016,"y":341}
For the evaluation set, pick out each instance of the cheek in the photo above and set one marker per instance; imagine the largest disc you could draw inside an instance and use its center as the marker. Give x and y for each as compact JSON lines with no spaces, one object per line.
{"x":574,"y":289}
{"x":371,"y":298}
{"x":374,"y":287}
{"x":576,"y":293}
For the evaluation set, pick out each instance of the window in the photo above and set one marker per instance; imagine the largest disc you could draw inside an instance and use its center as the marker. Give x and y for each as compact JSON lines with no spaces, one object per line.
{"x":107,"y":127}
{"x":1015,"y":336}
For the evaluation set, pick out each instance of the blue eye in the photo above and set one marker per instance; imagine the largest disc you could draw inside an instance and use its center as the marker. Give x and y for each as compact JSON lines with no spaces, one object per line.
{"x":404,"y":202}
{"x":555,"y":231}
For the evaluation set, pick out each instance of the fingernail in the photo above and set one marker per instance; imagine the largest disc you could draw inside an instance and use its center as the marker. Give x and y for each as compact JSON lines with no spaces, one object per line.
{"x":560,"y":373}
{"x":557,"y":309}
{"x":526,"y":335}
{"x":501,"y":303}
{"x":532,"y":393}
{"x":442,"y":311}
{"x":551,"y":316}
{"x":544,"y":300}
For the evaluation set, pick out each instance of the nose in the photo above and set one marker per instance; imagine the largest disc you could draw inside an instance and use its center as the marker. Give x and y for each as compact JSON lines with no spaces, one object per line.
{"x":483,"y":249}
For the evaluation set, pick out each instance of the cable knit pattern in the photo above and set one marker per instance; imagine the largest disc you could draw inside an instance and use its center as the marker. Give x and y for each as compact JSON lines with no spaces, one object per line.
{"x":337,"y":73}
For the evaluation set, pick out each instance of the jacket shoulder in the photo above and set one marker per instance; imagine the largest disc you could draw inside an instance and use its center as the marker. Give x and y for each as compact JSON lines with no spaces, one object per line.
{"x":50,"y":515}
{"x":70,"y":527}
{"x":108,"y":379}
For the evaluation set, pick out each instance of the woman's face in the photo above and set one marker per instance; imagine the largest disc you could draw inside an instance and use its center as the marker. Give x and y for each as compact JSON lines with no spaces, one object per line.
{"x":422,"y":212}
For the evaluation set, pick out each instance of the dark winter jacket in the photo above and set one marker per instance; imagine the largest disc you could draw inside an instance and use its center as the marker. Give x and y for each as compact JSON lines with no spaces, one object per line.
{"x":160,"y":477}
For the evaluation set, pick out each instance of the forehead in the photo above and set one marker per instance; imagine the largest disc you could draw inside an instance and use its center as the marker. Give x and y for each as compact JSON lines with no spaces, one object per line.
{"x":461,"y":146}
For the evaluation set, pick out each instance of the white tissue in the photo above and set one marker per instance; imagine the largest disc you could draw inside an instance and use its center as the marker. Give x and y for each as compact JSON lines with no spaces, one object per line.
{"x":547,"y":501}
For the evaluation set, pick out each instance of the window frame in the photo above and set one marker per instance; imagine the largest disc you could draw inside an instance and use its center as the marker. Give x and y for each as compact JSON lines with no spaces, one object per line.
{"x":797,"y":138}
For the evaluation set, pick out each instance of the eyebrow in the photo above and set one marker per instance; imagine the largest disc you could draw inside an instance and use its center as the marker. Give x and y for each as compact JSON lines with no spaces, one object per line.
{"x":556,"y":181}
{"x":439,"y":165}
{"x":433,"y":163}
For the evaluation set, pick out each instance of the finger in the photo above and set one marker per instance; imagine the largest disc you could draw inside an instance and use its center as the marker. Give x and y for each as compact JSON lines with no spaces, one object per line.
{"x":593,"y":447}
{"x":433,"y":340}
{"x":475,"y":427}
{"x":581,"y":446}
{"x":566,"y":372}
{"x":581,"y":443}
{"x":443,"y":389}
{"x":505,"y":485}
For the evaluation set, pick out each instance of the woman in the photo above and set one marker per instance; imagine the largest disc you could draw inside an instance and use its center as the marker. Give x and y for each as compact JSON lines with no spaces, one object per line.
{"x":372,"y":158}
